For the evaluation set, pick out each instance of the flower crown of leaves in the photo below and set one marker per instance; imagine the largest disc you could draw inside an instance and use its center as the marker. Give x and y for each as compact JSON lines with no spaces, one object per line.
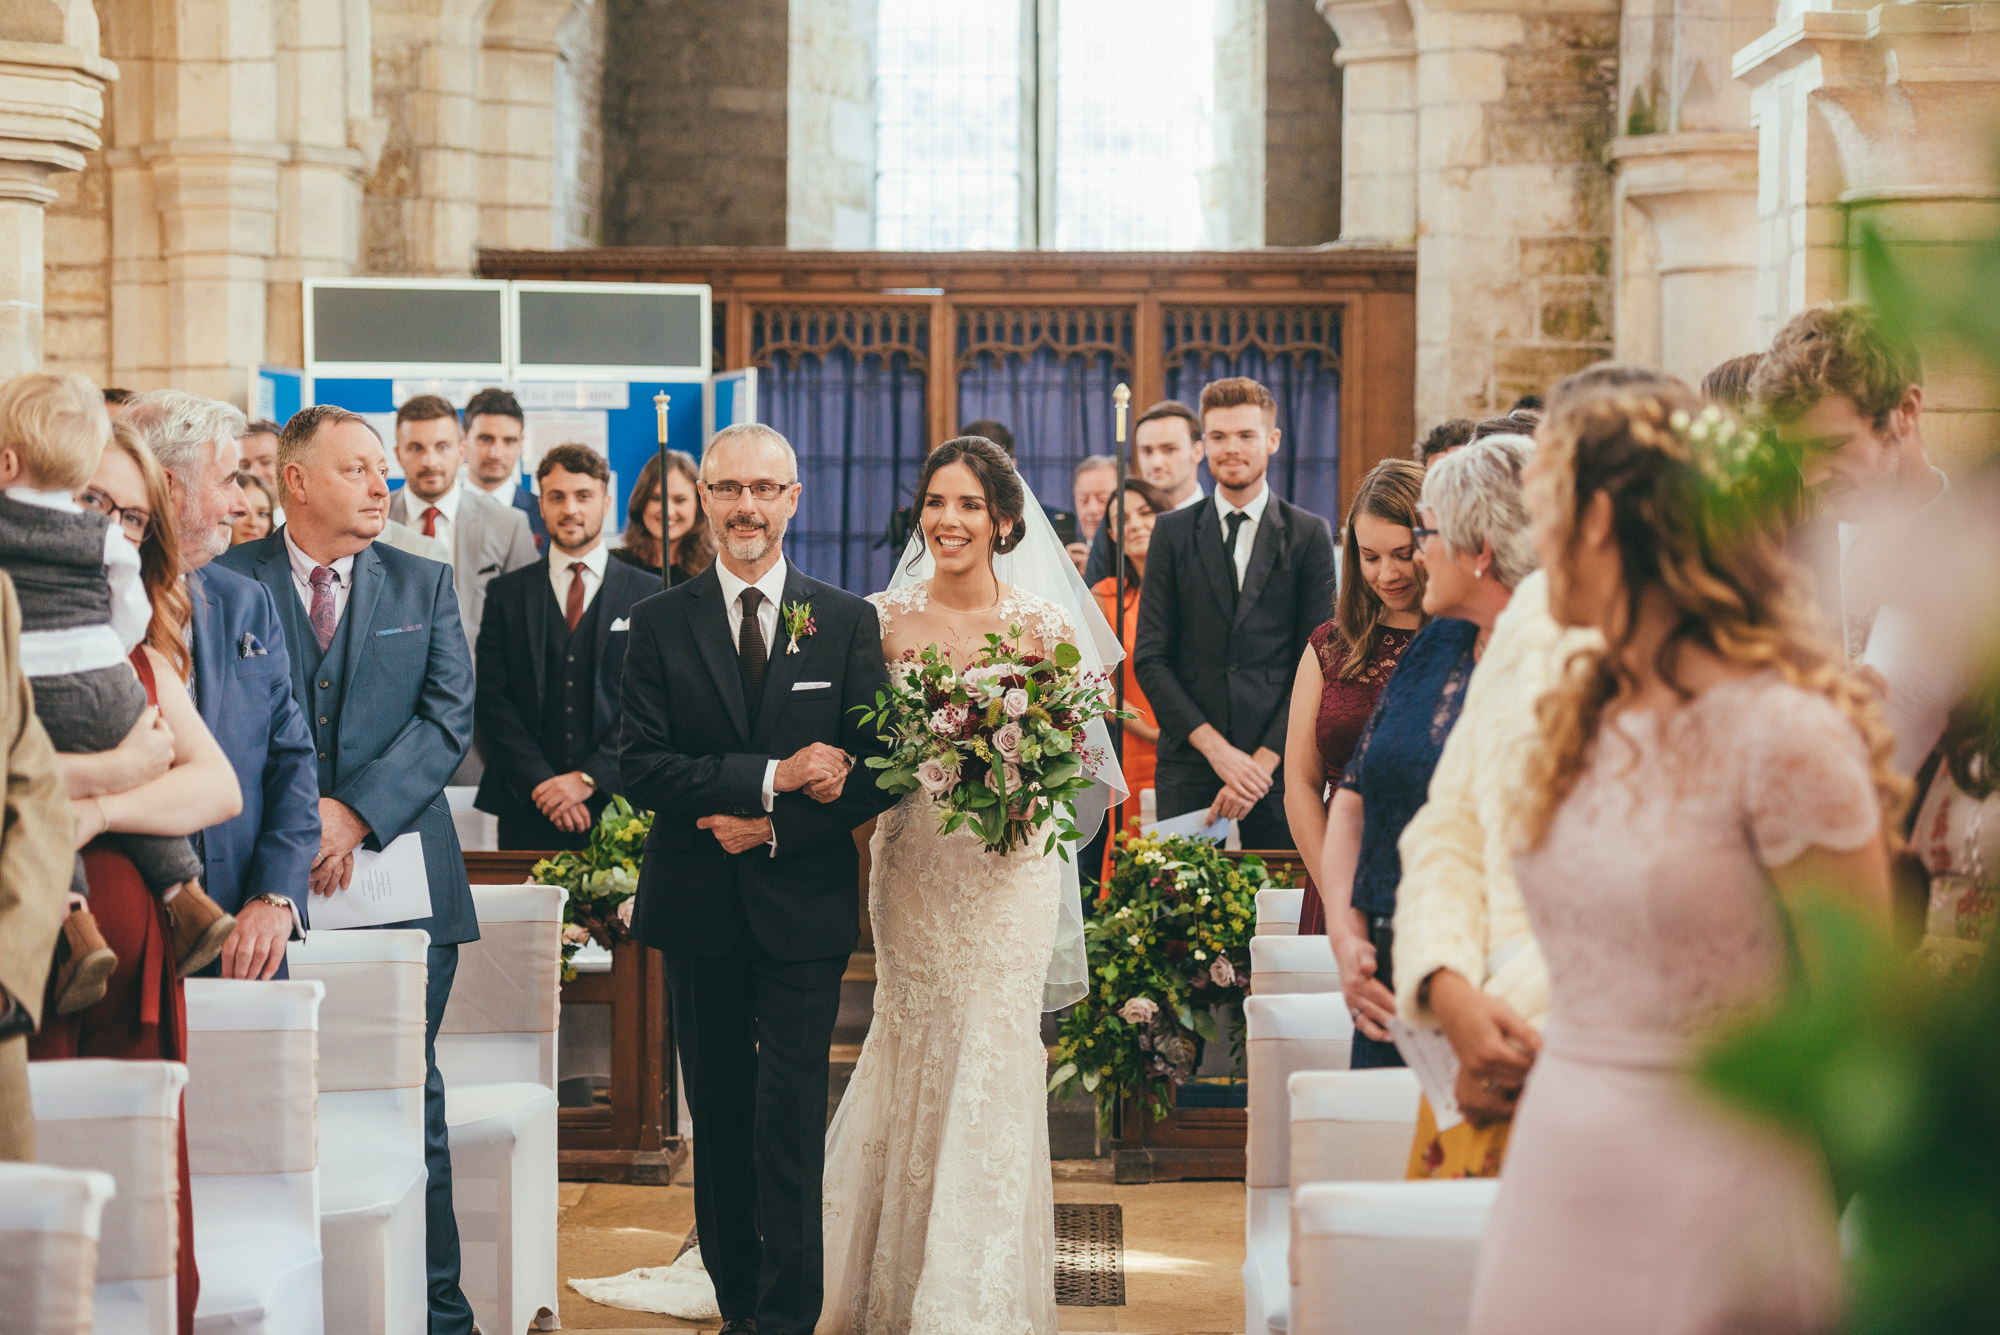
{"x":1745,"y":474}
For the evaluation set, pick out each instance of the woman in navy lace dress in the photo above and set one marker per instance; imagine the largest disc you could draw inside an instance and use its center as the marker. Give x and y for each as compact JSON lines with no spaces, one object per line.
{"x":1475,"y":547}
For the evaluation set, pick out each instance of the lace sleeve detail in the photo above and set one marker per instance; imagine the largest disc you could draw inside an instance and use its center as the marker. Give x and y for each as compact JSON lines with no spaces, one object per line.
{"x":1330,"y":647}
{"x":895,"y":601}
{"x":1807,"y":780}
{"x":1048,"y":622}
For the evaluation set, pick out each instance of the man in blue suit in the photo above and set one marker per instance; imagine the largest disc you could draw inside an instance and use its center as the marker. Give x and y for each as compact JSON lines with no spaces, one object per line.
{"x":496,"y":431}
{"x":256,"y":865}
{"x":384,"y":675}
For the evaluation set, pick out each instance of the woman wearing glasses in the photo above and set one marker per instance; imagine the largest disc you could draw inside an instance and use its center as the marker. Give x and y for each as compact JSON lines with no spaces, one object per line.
{"x":1473,"y":541}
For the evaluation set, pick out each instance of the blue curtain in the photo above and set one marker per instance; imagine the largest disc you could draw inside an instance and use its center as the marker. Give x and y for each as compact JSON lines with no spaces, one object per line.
{"x":857,"y":423}
{"x":1306,"y":469}
{"x":1057,"y":404}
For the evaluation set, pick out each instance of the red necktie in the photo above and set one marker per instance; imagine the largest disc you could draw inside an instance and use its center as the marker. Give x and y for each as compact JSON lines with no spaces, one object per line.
{"x":573,"y":605}
{"x":431,"y":521}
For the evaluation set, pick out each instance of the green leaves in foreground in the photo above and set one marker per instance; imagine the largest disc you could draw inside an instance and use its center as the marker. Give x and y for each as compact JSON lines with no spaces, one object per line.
{"x":1897,"y":1076}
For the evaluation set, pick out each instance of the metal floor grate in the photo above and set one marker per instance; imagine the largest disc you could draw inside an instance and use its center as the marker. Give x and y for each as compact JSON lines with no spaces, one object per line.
{"x":1090,"y":1256}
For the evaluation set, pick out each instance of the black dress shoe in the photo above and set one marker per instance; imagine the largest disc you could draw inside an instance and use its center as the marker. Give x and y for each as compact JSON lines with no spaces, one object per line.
{"x":741,"y":1326}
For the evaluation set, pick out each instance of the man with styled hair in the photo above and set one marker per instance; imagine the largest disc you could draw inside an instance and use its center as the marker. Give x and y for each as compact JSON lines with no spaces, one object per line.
{"x":1235,"y":585}
{"x":1848,"y":399}
{"x":496,"y":431}
{"x":551,"y":665}
{"x":383,"y":676}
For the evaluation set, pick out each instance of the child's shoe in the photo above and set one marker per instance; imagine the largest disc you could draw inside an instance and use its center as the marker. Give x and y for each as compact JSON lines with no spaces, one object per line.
{"x":197,"y":927}
{"x":83,"y":963}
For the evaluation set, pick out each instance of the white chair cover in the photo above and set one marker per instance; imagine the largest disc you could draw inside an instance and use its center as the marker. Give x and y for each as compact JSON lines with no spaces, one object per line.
{"x":1292,"y":964}
{"x":49,"y":1223}
{"x":371,"y":1125}
{"x":253,"y":1127}
{"x":497,"y":1051}
{"x":121,"y":1118}
{"x":1352,"y":1126}
{"x":1284,"y":1033}
{"x":1387,"y":1258}
{"x":1278,"y":911}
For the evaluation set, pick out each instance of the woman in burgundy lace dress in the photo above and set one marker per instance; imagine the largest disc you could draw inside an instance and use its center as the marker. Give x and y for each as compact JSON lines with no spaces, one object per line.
{"x":1349,"y":659}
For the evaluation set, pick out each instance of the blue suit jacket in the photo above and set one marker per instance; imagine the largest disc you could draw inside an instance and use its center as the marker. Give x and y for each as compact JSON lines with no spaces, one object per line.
{"x":243,"y":677}
{"x":530,"y":505}
{"x":405,"y":707}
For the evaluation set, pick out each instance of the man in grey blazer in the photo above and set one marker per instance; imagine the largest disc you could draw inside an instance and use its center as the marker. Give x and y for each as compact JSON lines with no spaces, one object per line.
{"x":381,"y":670}
{"x":485,"y":538}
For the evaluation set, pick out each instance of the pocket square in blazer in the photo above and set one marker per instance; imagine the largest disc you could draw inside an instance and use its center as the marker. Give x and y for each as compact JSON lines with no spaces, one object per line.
{"x":811,"y":685}
{"x":398,"y":630}
{"x":622,"y":623}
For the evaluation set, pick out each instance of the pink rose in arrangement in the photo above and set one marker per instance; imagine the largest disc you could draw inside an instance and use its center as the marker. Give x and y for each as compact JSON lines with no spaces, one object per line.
{"x":934,"y":777}
{"x":1222,"y":971}
{"x":949,"y":721}
{"x":1139,"y":1010}
{"x":1007,"y":744}
{"x":574,"y":935}
{"x":1014,"y":703}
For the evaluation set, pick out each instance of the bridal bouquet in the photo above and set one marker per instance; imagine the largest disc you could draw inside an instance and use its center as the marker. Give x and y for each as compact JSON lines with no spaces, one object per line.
{"x":998,"y":746}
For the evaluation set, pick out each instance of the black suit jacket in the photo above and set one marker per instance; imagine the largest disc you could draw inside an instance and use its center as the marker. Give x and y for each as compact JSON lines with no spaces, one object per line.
{"x":1209,"y":654}
{"x":510,"y":667}
{"x":691,"y":749}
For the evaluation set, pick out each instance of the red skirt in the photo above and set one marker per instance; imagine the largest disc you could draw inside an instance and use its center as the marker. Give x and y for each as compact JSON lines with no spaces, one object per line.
{"x":142,"y":1016}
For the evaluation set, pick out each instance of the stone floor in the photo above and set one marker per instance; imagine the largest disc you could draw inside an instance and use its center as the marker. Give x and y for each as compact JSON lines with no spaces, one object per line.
{"x":1183,"y":1251}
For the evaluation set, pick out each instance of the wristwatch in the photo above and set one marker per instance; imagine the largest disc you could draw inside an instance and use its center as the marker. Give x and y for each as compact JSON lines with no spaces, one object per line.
{"x":283,"y":905}
{"x":588,"y":782}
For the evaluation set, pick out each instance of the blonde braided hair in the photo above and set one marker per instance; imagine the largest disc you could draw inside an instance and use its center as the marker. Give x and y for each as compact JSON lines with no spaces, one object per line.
{"x":1695,"y":521}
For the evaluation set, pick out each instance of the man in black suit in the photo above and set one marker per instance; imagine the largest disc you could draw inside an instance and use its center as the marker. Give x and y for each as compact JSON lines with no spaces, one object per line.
{"x":1234,"y":587}
{"x":551,"y":662}
{"x":740,"y":687}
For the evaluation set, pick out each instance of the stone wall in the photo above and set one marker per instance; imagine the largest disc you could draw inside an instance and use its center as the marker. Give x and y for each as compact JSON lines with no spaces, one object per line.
{"x":694,"y":122}
{"x":1301,"y":127}
{"x":1232,"y":188}
{"x":830,"y":126}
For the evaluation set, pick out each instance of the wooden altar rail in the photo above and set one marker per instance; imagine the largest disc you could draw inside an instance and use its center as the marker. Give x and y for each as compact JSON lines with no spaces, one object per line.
{"x":1129,"y":301}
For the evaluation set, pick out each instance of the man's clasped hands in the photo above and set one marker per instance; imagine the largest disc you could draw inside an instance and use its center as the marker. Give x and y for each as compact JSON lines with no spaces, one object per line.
{"x":820,"y":770}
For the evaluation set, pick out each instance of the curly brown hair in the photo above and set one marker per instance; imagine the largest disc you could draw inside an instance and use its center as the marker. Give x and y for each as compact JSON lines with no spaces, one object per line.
{"x":1722,"y":572}
{"x":1390,"y":492}
{"x":1835,"y":350}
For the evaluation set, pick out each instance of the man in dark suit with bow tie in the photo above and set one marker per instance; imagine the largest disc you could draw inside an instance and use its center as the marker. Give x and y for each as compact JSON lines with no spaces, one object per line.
{"x":1234,"y":587}
{"x":551,"y":665}
{"x":749,"y":884}
{"x":381,"y":668}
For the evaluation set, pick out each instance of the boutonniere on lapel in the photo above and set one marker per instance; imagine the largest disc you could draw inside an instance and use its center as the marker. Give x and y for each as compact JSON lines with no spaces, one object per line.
{"x":798,"y":624}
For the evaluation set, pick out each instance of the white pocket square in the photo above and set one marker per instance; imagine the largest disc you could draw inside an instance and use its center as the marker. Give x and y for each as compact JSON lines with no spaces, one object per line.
{"x":810,"y":685}
{"x":622,"y":623}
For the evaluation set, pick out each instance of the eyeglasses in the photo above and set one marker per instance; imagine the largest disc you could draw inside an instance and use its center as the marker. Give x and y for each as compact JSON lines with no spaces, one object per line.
{"x":136,"y":522}
{"x":1419,"y":535}
{"x":727,"y":492}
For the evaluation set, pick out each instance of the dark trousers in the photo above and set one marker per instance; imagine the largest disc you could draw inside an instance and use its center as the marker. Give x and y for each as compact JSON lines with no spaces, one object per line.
{"x":1180,"y":787}
{"x":451,"y":1314}
{"x":536,"y":832}
{"x":754,"y":1034}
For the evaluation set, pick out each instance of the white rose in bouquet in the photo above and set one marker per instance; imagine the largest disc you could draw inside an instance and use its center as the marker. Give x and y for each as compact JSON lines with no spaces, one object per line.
{"x":1014,"y":703}
{"x":1222,"y":972}
{"x":947,"y":722}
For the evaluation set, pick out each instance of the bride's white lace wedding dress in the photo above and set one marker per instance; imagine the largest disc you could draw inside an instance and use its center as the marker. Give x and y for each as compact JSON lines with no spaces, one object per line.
{"x":939,"y":1209}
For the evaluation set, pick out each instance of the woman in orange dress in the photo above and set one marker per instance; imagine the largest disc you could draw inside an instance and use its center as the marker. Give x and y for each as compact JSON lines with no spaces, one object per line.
{"x":1144,"y":503}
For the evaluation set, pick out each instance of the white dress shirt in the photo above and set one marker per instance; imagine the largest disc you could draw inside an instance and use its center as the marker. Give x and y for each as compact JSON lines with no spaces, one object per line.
{"x":504,"y":493}
{"x":1246,"y":537}
{"x":1194,"y":498}
{"x":447,"y":520}
{"x":302,"y":569}
{"x":772,"y":586}
{"x":560,"y":573}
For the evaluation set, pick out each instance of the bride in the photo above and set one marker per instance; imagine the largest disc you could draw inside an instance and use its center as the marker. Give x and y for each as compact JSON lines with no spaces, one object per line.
{"x":939,"y":1209}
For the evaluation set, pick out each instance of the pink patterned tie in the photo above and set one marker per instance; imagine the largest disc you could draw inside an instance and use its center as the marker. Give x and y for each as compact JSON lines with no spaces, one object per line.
{"x":323,"y":618}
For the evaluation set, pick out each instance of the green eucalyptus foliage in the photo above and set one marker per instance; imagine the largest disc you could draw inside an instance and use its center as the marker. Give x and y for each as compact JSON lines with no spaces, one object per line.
{"x":599,"y":877}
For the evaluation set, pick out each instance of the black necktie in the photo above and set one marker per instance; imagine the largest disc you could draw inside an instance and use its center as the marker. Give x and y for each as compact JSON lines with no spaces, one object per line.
{"x":1234,"y":519}
{"x":750,"y":649}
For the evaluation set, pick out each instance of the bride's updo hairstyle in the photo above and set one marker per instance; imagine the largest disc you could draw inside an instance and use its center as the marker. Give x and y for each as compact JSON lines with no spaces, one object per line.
{"x":1005,"y":498}
{"x":1695,"y":524}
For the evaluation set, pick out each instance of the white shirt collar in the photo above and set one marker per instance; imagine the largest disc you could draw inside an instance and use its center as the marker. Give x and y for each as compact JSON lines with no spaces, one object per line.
{"x":593,"y":560}
{"x":303,"y":565}
{"x":446,"y":504}
{"x":772,"y":585}
{"x":1194,"y":498}
{"x":47,"y":498}
{"x":1254,"y":511}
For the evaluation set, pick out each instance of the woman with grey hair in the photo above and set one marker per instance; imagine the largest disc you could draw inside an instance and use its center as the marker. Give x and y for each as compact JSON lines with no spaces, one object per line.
{"x":1474,"y":544}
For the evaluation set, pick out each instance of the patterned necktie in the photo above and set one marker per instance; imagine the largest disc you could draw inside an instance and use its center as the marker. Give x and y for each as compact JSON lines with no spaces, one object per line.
{"x":431,"y":515}
{"x":1234,"y":519}
{"x":324,"y":619}
{"x":573,"y":604}
{"x":750,"y":649}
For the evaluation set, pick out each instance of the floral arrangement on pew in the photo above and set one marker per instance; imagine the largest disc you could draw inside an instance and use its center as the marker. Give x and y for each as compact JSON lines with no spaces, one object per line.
{"x":999,"y":745}
{"x":1169,"y":942}
{"x":601,"y":878}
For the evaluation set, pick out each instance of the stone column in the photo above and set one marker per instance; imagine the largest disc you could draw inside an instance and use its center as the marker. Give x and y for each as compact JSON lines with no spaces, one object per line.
{"x":518,"y":188}
{"x":421,"y":207}
{"x":51,"y":104}
{"x":1876,"y":117}
{"x":1378,"y":108}
{"x":829,"y":117}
